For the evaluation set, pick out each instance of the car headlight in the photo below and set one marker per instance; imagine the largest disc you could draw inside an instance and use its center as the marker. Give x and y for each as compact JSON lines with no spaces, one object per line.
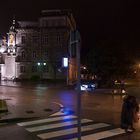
{"x":84,"y":87}
{"x":93,"y":85}
{"x":123,"y":91}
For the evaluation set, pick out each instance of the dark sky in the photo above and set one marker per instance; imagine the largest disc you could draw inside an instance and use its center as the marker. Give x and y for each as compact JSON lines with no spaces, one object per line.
{"x":97,"y":20}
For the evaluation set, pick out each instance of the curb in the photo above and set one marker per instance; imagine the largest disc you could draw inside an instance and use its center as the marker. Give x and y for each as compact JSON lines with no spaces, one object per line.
{"x":30,"y":87}
{"x":13,"y":120}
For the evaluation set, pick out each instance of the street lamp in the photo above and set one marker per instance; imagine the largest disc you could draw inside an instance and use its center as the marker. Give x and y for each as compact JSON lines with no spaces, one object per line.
{"x":84,"y":68}
{"x":41,"y":66}
{"x":38,"y":64}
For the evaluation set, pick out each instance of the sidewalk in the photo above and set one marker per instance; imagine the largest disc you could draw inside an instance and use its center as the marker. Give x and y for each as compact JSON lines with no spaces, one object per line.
{"x":32,"y":84}
{"x":22,"y":110}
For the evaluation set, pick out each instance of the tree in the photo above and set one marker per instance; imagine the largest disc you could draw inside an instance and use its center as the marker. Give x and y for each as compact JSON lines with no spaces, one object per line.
{"x":109,"y":61}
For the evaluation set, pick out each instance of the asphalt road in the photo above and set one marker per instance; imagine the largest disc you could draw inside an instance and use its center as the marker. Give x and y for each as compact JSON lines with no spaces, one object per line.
{"x":40,"y":102}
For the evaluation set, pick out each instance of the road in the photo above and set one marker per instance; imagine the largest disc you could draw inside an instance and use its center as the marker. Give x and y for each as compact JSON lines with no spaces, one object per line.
{"x":32,"y":102}
{"x":41,"y":102}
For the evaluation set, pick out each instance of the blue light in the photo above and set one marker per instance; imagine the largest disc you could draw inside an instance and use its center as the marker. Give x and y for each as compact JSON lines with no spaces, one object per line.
{"x":67,"y":111}
{"x":65,"y":62}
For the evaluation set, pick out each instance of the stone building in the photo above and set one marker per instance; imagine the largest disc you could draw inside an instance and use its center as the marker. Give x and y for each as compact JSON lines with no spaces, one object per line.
{"x":35,"y":49}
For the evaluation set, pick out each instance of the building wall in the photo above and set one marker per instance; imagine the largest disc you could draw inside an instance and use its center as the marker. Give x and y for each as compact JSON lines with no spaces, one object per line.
{"x":41,"y":46}
{"x":8,"y":69}
{"x":42,"y":42}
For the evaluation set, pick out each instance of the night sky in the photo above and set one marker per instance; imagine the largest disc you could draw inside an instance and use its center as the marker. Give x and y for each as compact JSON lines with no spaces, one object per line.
{"x":97,"y":20}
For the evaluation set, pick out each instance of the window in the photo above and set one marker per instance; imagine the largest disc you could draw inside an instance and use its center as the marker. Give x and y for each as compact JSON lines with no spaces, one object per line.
{"x":46,"y":23}
{"x":45,"y":54}
{"x":35,"y":39}
{"x":23,"y":40}
{"x":34,"y":54}
{"x":34,"y":68}
{"x":58,"y":38}
{"x":22,"y":69}
{"x":73,"y":50}
{"x":59,"y":64}
{"x":45,"y":68}
{"x":45,"y":39}
{"x":23,"y":55}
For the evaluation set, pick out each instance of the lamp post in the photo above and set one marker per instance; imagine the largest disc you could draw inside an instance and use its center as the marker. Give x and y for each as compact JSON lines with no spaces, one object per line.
{"x":41,"y":66}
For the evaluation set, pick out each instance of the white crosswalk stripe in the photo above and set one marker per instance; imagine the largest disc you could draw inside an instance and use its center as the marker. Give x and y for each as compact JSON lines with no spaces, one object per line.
{"x":50,"y":126}
{"x":47,"y":120}
{"x":59,"y":125}
{"x":72,"y":130}
{"x":103,"y":134}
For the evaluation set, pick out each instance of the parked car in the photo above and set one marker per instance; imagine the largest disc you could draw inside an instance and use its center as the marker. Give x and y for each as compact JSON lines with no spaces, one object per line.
{"x":88,"y":85}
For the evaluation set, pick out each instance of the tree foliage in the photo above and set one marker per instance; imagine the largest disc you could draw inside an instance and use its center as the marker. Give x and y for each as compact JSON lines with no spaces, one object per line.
{"x":110,"y":62}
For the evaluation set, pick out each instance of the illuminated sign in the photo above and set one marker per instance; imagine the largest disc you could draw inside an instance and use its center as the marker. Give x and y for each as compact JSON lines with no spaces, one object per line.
{"x":65,"y":62}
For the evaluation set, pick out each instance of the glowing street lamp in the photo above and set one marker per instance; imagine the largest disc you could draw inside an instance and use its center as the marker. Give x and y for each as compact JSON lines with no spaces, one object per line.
{"x":38,"y":64}
{"x":84,"y":68}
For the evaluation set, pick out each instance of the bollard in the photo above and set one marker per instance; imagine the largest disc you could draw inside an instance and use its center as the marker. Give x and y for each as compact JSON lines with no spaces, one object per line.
{"x":3,"y":106}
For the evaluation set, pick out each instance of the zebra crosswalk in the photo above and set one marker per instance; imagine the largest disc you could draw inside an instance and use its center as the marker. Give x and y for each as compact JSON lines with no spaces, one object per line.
{"x":64,"y":127}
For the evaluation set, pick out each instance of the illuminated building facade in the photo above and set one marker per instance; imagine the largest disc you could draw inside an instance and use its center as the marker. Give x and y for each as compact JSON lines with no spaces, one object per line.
{"x":36,"y":49}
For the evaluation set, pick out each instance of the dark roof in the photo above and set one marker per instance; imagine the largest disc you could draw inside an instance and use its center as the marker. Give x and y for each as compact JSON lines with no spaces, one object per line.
{"x":55,"y":12}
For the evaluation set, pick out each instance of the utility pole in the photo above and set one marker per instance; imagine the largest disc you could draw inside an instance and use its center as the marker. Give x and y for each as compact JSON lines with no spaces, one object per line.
{"x":78,"y":90}
{"x":75,"y":39}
